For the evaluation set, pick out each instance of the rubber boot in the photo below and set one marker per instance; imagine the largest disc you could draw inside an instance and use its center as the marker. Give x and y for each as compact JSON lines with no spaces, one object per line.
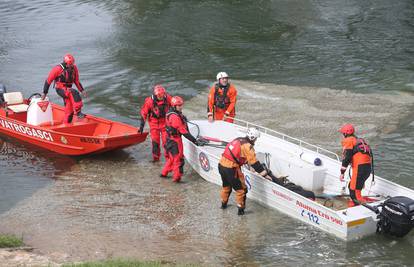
{"x":240,"y":211}
{"x":223,"y":205}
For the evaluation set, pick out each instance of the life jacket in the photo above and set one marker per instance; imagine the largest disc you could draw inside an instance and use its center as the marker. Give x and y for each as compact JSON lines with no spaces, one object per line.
{"x":171,"y":131}
{"x":67,"y":77}
{"x":362,"y":146}
{"x":221,"y":101}
{"x":159,"y":107}
{"x":233,"y":151}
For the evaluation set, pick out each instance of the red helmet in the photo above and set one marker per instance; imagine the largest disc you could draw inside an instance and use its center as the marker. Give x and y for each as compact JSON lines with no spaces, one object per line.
{"x":177,"y":101}
{"x":159,"y":91}
{"x":69,"y":59}
{"x":347,"y":129}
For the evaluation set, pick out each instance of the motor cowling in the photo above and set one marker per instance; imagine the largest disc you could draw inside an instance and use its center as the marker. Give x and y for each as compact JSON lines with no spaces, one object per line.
{"x":396,"y":216}
{"x":2,"y":91}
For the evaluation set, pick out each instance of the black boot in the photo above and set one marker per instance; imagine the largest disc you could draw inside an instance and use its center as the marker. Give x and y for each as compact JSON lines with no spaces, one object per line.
{"x":80,"y":115}
{"x":241,"y":211}
{"x":223,"y":205}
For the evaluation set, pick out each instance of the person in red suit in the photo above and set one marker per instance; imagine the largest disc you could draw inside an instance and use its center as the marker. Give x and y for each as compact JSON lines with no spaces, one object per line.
{"x":64,"y":75}
{"x":155,"y":109}
{"x":176,"y":127}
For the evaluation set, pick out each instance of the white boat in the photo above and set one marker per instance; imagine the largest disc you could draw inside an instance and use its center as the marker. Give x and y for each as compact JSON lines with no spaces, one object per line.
{"x":285,"y":155}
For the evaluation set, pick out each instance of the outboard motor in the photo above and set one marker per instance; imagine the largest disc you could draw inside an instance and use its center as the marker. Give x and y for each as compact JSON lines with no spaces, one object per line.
{"x":396,"y":216}
{"x":2,"y":91}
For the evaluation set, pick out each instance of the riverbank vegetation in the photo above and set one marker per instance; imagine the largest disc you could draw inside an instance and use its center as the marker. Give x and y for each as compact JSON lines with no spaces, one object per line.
{"x":10,"y":241}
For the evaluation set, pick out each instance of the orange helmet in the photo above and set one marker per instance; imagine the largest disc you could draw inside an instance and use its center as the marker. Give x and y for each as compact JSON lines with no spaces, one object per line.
{"x":347,"y":129}
{"x":159,"y":91}
{"x":177,"y":101}
{"x":69,"y":59}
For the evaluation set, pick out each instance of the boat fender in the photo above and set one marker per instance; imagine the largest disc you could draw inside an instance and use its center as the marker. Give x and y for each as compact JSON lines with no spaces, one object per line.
{"x":310,"y":158}
{"x":2,"y":91}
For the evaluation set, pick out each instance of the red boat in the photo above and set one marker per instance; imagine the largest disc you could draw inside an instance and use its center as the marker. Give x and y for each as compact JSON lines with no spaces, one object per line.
{"x":39,"y":122}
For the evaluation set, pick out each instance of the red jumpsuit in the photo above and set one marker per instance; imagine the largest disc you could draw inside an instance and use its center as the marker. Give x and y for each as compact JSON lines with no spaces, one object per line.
{"x":156,"y":110}
{"x":64,"y":76}
{"x":176,"y":126}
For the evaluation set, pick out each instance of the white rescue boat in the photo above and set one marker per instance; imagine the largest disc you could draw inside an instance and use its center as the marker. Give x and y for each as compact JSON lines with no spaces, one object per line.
{"x":390,"y":208}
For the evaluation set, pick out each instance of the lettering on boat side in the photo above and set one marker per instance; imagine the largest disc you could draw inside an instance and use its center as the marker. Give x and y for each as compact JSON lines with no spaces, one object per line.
{"x":312,"y":217}
{"x":280,"y":194}
{"x":90,"y":140}
{"x":316,"y":212}
{"x":204,"y":162}
{"x":26,"y":130}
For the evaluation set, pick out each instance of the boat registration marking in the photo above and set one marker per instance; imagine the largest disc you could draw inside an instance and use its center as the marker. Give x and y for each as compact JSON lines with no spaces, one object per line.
{"x":26,"y":130}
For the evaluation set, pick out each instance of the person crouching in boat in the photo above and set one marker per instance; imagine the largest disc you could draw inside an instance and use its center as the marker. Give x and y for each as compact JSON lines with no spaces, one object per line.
{"x":176,"y":126}
{"x":155,"y":109}
{"x":64,"y":75}
{"x":222,"y":99}
{"x":238,"y":152}
{"x":356,"y":152}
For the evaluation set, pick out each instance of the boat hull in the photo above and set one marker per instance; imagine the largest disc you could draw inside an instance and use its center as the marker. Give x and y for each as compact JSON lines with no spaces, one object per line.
{"x":91,"y":136}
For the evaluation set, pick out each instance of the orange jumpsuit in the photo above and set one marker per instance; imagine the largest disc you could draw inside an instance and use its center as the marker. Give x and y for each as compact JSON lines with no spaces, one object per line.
{"x":361,"y":167}
{"x":222,"y":100}
{"x":230,"y":170}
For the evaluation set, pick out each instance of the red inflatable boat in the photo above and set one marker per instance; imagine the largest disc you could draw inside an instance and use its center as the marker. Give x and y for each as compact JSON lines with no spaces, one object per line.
{"x":39,"y":122}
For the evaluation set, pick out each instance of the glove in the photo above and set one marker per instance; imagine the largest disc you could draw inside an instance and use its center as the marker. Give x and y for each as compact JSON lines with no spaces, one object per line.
{"x":141,"y":126}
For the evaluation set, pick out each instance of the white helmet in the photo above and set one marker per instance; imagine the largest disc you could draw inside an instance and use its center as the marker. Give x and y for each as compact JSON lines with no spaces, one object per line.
{"x":221,"y":75}
{"x":252,"y":134}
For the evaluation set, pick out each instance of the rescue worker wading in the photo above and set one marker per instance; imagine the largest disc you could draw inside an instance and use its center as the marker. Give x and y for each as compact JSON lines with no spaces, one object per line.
{"x":238,"y":152}
{"x":155,"y":109}
{"x":64,"y":75}
{"x":222,"y":99}
{"x":176,"y":125}
{"x":356,"y":152}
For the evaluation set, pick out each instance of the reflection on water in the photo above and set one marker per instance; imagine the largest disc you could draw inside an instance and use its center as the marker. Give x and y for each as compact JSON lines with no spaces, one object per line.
{"x":25,"y":169}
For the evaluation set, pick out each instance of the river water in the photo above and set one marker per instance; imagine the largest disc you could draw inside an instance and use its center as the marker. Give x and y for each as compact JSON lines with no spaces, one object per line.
{"x":301,"y":67}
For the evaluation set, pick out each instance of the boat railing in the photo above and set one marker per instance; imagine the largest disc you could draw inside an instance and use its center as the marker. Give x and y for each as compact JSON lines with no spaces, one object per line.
{"x":287,"y":138}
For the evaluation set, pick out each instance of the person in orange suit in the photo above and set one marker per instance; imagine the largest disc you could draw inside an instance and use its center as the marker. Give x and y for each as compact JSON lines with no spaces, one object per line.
{"x":176,"y":126}
{"x":238,"y":152}
{"x":222,"y":99}
{"x":155,"y":108}
{"x":355,"y":151}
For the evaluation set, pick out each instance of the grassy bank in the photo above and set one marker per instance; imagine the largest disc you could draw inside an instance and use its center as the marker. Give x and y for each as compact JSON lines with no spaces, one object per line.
{"x":10,"y":241}
{"x":125,"y":263}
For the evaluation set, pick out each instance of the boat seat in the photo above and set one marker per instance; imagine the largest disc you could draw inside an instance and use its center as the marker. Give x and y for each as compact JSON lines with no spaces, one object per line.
{"x":15,"y":102}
